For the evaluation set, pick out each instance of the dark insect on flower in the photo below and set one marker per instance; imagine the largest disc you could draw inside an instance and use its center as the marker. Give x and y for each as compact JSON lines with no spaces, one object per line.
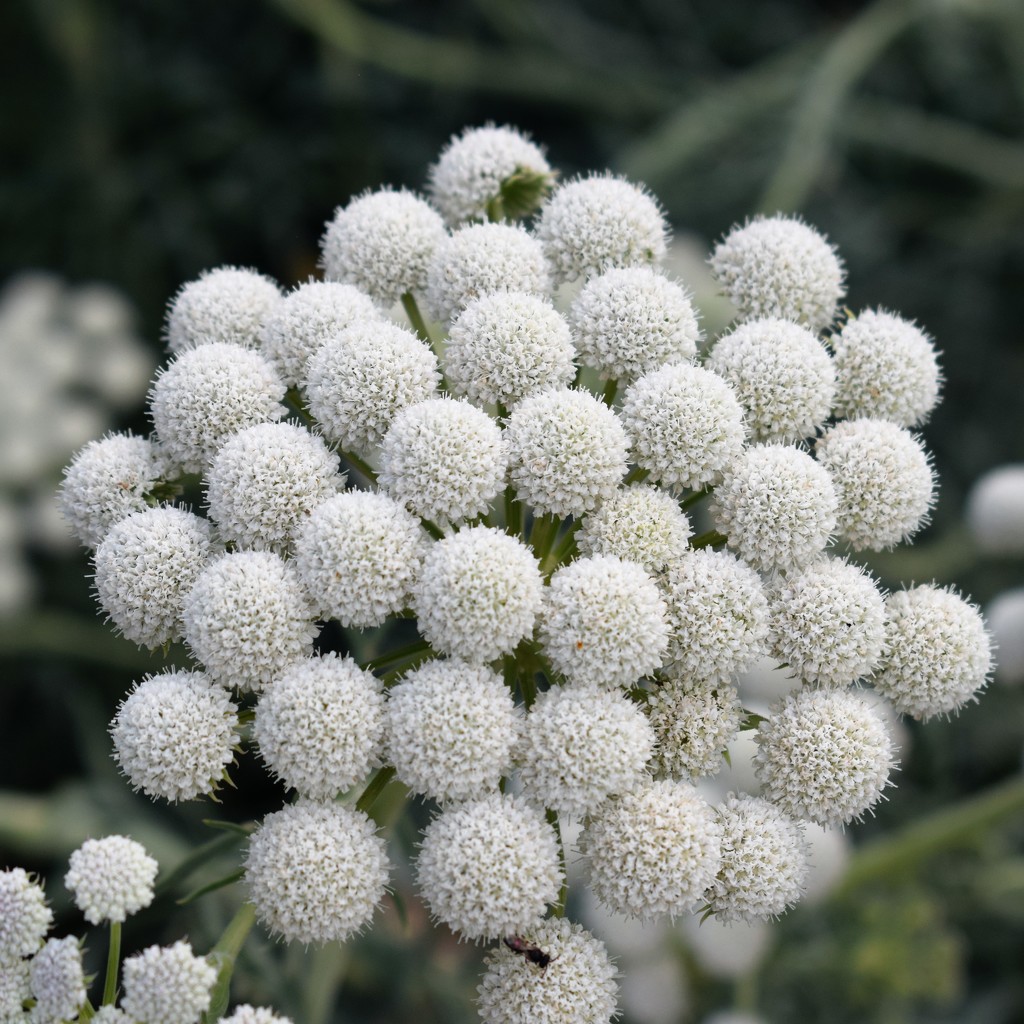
{"x":534,"y":954}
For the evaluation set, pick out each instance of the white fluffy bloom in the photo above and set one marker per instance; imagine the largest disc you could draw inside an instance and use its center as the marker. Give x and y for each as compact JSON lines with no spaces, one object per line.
{"x":450,"y":730}
{"x":316,"y":872}
{"x":167,"y":985}
{"x":1005,"y":616}
{"x":24,"y":916}
{"x":939,"y":656}
{"x":824,"y":755}
{"x":489,"y":868}
{"x":248,"y":1014}
{"x":110,"y":1015}
{"x":631,"y":320}
{"x":883,"y":481}
{"x":320,"y":727}
{"x":247,"y":618}
{"x":567,"y":451}
{"x":576,"y":987}
{"x":780,"y":267}
{"x":479,"y":594}
{"x":226,"y":305}
{"x":175,"y":734}
{"x":145,"y":566}
{"x":382,"y":243}
{"x":685,"y":425}
{"x":604,"y":622}
{"x":111,"y":878}
{"x":266,"y":480}
{"x":507,"y":345}
{"x":57,"y":981}
{"x":995,"y":511}
{"x":594,"y":224}
{"x":443,"y":459}
{"x":207,"y":394}
{"x":358,"y":555}
{"x":653,"y":852}
{"x":14,"y":990}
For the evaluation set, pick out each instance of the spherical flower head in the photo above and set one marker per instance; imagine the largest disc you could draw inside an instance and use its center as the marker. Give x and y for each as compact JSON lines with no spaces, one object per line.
{"x":479,"y":594}
{"x":883,"y":480}
{"x":266,"y":480}
{"x":320,"y":727}
{"x":145,"y":566}
{"x":382,"y":243}
{"x":764,"y":861}
{"x":631,"y":320}
{"x":780,"y":267}
{"x":1005,"y":617}
{"x":107,"y":481}
{"x":490,"y":867}
{"x":175,"y":734}
{"x":14,"y":990}
{"x":247,"y":618}
{"x":111,"y":878}
{"x":381,"y":546}
{"x":995,"y":511}
{"x":685,"y":425}
{"x":886,"y":369}
{"x":248,"y":1014}
{"x":472,"y":168}
{"x":57,"y":981}
{"x":939,"y":652}
{"x":24,"y":916}
{"x":824,"y":756}
{"x":167,"y":985}
{"x":207,"y":394}
{"x":443,"y":459}
{"x":567,"y":451}
{"x":481,"y":259}
{"x":653,"y":852}
{"x":227,"y":305}
{"x":450,"y":730}
{"x":576,"y":987}
{"x":507,"y":345}
{"x":307,"y":318}
{"x":777,"y":506}
{"x":580,"y":746}
{"x":110,"y":1015}
{"x":595,"y":224}
{"x":359,"y":380}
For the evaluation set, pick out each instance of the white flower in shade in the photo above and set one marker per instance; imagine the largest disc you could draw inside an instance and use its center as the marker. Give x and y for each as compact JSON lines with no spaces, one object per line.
{"x":576,"y":987}
{"x":226,"y":305}
{"x":653,"y":852}
{"x":939,"y":656}
{"x":777,"y":506}
{"x":247,"y":1014}
{"x":782,"y":376}
{"x":883,"y":480}
{"x":307,"y":318}
{"x":567,"y":451}
{"x":57,"y":981}
{"x":107,"y":481}
{"x":471,"y":169}
{"x":717,"y":614}
{"x":479,"y":594}
{"x":167,"y":985}
{"x":631,"y":320}
{"x":24,"y":916}
{"x":1005,"y":616}
{"x":995,"y":511}
{"x":207,"y":394}
{"x":580,"y":746}
{"x":685,"y":425}
{"x":247,"y":618}
{"x":824,"y":755}
{"x":489,"y":868}
{"x":507,"y":345}
{"x":481,"y":259}
{"x":110,"y":1015}
{"x":604,"y":622}
{"x":382,"y":243}
{"x":175,"y":734}
{"x":14,"y":990}
{"x":450,"y":730}
{"x":266,"y":480}
{"x":320,"y":727}
{"x":360,"y":379}
{"x":111,"y":878}
{"x":443,"y":459}
{"x":886,"y":369}
{"x":145,"y":566}
{"x":358,"y":555}
{"x":780,"y":267}
{"x":594,"y":224}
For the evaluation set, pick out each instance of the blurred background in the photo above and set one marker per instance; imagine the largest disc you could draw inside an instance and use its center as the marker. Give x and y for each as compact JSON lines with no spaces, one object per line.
{"x":142,"y":143}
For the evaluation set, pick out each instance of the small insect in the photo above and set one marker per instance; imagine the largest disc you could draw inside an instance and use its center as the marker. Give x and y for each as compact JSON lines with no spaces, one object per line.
{"x":534,"y":954}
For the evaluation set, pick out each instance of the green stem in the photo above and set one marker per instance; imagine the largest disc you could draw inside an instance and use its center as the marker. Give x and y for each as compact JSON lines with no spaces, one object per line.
{"x":559,"y":551}
{"x":362,"y":467}
{"x":528,"y":688}
{"x":635,"y":475}
{"x":693,"y":499}
{"x":433,"y":529}
{"x":374,"y":788}
{"x":224,"y":954}
{"x":513,"y":512}
{"x":495,"y":209}
{"x":611,"y":388}
{"x":419,"y":325}
{"x":711,"y":539}
{"x":558,"y":910}
{"x":293,"y":400}
{"x":393,"y":657}
{"x":542,"y":535}
{"x":113,"y":963}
